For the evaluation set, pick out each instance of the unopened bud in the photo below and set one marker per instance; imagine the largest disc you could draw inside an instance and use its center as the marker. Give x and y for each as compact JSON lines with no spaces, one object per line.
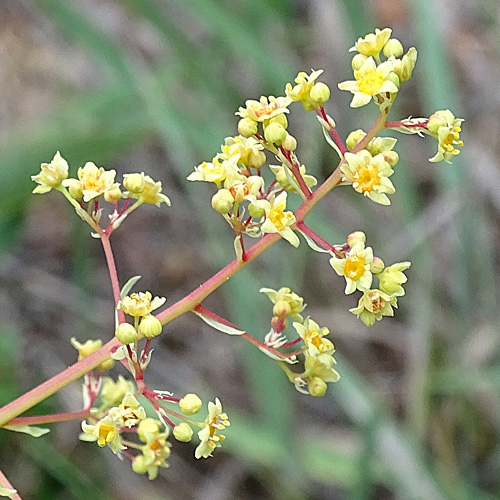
{"x":126,"y":333}
{"x":190,"y":404}
{"x":183,"y":432}
{"x":320,"y":93}
{"x":222,"y":201}
{"x":282,"y":309}
{"x":393,"y":47}
{"x":356,"y":237}
{"x":290,"y":143}
{"x":317,"y":387}
{"x":113,"y":195}
{"x":247,"y":127}
{"x":354,"y":138}
{"x":135,"y":183}
{"x":357,"y":61}
{"x":377,"y":265}
{"x":150,"y":326}
{"x":275,"y":133}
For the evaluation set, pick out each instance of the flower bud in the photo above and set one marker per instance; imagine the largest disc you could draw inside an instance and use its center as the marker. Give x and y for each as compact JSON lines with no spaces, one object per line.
{"x":354,"y":138}
{"x":391,"y":157}
{"x":281,"y":119}
{"x":317,"y":386}
{"x":320,"y":93}
{"x":290,"y":143}
{"x":407,"y":64}
{"x":393,"y":47}
{"x":222,"y":201}
{"x":190,"y":404}
{"x":74,"y":188}
{"x":183,"y":432}
{"x":357,"y":61}
{"x":134,"y":183}
{"x":150,"y":326}
{"x":247,"y":127}
{"x":257,"y":160}
{"x":140,"y":465}
{"x":377,"y":265}
{"x":282,"y":309}
{"x":113,"y":195}
{"x":256,"y":211}
{"x":126,"y":333}
{"x":275,"y":133}
{"x":356,"y":237}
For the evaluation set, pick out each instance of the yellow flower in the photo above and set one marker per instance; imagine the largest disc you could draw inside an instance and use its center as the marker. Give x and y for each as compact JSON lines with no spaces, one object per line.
{"x":250,"y":151}
{"x":215,"y":421}
{"x":243,"y":188}
{"x":264,"y":109}
{"x":128,"y":413}
{"x":369,"y":175}
{"x":215,"y":171}
{"x":52,"y":174}
{"x":285,"y":300}
{"x":140,"y":304}
{"x":373,"y":43}
{"x":105,"y":432}
{"x":94,"y":181}
{"x":373,"y":305}
{"x":302,"y":91}
{"x":392,"y":277}
{"x":370,"y":80}
{"x":312,"y":335}
{"x":446,"y":129}
{"x":355,"y":267}
{"x":151,"y":194}
{"x":321,"y":366}
{"x":278,"y":220}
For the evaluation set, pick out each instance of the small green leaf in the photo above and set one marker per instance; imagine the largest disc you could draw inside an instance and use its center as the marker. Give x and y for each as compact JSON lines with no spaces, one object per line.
{"x":219,"y":326}
{"x":27,"y":429}
{"x":128,"y":286}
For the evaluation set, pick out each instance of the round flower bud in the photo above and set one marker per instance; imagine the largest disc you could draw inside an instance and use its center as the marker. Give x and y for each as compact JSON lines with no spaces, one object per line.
{"x":106,"y":365}
{"x":126,"y":333}
{"x":183,"y":432}
{"x":280,"y":119}
{"x":377,"y":265}
{"x":74,"y":188}
{"x":393,"y":47}
{"x":257,"y":160}
{"x":222,"y":201}
{"x":354,"y":138}
{"x":247,"y":127}
{"x":290,"y":143}
{"x":355,"y":237}
{"x":320,"y":93}
{"x":190,"y":404}
{"x":391,"y":157}
{"x":282,"y":309}
{"x":150,"y":326}
{"x":317,"y":387}
{"x":134,"y":183}
{"x":113,"y":195}
{"x":275,"y":133}
{"x":140,"y":465}
{"x":255,"y":211}
{"x":357,"y":61}
{"x":439,"y":119}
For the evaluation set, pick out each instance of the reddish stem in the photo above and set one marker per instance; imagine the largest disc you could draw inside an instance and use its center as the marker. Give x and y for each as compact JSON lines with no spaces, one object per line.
{"x":47,"y":419}
{"x":113,"y":275}
{"x":333,"y":132}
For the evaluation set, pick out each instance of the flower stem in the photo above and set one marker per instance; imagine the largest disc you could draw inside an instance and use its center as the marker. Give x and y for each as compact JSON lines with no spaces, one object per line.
{"x":6,"y":484}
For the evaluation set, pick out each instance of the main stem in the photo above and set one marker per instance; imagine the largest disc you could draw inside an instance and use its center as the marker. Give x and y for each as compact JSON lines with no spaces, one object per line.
{"x":74,"y":372}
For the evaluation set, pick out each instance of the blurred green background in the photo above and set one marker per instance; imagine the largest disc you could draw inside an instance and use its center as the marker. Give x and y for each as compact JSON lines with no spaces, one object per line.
{"x":150,"y":85}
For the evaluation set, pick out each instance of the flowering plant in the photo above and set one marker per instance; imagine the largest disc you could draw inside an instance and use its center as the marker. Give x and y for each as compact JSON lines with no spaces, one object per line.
{"x":252,"y":195}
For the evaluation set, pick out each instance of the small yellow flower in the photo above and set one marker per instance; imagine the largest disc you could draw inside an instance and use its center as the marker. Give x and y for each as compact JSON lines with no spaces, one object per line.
{"x":155,"y":451}
{"x":321,"y":366}
{"x":370,"y":80}
{"x":372,"y":43}
{"x":392,"y":277}
{"x":302,"y":91}
{"x":250,"y":151}
{"x":446,"y":129}
{"x":215,"y":171}
{"x":129,"y":412}
{"x":105,"y":432}
{"x":294,"y":303}
{"x":369,"y":175}
{"x":94,"y":181}
{"x":243,"y":188}
{"x":112,"y":393}
{"x":312,"y":335}
{"x":151,"y":194}
{"x":373,"y":305}
{"x":215,"y":421}
{"x":264,"y":109}
{"x":355,"y":267}
{"x":52,"y":174}
{"x":140,"y":304}
{"x":278,"y":220}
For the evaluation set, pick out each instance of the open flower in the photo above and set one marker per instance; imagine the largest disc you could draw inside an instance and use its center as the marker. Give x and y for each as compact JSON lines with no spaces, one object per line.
{"x":52,"y":174}
{"x":250,"y":151}
{"x":373,"y":43}
{"x":140,"y":304}
{"x":129,"y":412}
{"x":151,"y":194}
{"x":312,"y":335}
{"x":92,"y":181}
{"x":302,"y":91}
{"x":369,"y":175}
{"x":215,"y":421}
{"x":355,"y":267}
{"x":446,"y":129}
{"x":264,"y":109}
{"x":105,"y":432}
{"x":392,"y":277}
{"x":370,"y":80}
{"x":278,"y":220}
{"x":285,"y":301}
{"x":373,"y":305}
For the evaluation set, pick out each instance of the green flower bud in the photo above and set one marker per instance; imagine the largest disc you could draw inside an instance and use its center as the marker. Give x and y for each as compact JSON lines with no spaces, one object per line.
{"x":357,"y":61}
{"x":282,"y":309}
{"x":257,"y":160}
{"x":222,"y":201}
{"x":190,"y":404}
{"x":140,"y":465}
{"x":290,"y":143}
{"x":275,"y":133}
{"x":113,"y":195}
{"x":247,"y":127}
{"x":74,"y":188}
{"x":183,"y":432}
{"x":356,"y":237}
{"x":255,"y":211}
{"x":134,"y":183}
{"x":393,"y":47}
{"x":405,"y":70}
{"x":280,"y":119}
{"x":391,"y":157}
{"x":320,"y":93}
{"x":354,"y":138}
{"x":150,"y":326}
{"x":126,"y":333}
{"x":317,"y":386}
{"x":377,"y":265}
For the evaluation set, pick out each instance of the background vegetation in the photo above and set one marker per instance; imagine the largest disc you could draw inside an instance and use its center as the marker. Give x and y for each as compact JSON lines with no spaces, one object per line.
{"x":153,"y":85}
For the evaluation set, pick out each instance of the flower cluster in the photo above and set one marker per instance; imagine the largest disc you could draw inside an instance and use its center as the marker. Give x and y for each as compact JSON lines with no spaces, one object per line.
{"x":94,"y":183}
{"x":376,"y":79}
{"x":318,"y":361}
{"x":359,"y":266}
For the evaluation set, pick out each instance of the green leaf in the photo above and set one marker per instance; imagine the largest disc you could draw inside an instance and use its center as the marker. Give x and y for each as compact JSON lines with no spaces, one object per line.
{"x":27,"y":429}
